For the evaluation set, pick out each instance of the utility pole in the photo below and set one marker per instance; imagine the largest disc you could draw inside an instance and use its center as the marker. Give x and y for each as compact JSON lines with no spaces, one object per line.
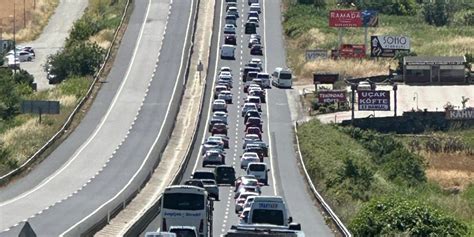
{"x":14,"y":37}
{"x":24,"y":13}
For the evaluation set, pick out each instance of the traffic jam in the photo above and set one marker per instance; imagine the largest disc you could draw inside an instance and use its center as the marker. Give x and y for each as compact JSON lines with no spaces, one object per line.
{"x":249,"y":173}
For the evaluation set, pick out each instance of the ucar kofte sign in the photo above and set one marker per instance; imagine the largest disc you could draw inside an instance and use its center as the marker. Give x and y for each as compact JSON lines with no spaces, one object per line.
{"x":374,"y":100}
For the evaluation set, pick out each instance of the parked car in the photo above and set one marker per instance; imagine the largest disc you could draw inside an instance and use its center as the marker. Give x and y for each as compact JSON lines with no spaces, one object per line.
{"x":230,"y":4}
{"x":224,"y":138}
{"x":255,"y":7}
{"x":231,"y":19}
{"x":212,"y":145}
{"x":254,"y":122}
{"x":251,"y":113}
{"x":254,"y":130}
{"x":247,"y":107}
{"x":255,"y":100}
{"x":253,"y":20}
{"x":233,"y":11}
{"x":218,"y":90}
{"x":253,"y":14}
{"x":248,"y":157}
{"x":219,"y":116}
{"x":257,"y":149}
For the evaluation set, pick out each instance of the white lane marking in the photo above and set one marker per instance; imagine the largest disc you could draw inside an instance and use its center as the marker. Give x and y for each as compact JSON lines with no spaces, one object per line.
{"x":159,"y":133}
{"x":266,"y":104}
{"x":212,"y":89}
{"x":89,"y":140}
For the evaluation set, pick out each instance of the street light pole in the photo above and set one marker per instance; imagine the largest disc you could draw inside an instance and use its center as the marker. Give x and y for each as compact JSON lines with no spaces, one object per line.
{"x":24,"y":13}
{"x":14,"y":37}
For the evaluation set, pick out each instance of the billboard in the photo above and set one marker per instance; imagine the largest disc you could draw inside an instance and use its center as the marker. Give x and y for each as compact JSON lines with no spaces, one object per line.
{"x":352,"y":51}
{"x":353,"y":18}
{"x":332,"y":96}
{"x":374,"y":100}
{"x":313,"y":54}
{"x":325,"y":78}
{"x":466,"y":114}
{"x":388,"y":45}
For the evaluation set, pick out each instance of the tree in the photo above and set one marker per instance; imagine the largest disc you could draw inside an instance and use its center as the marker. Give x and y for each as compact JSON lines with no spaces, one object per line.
{"x":436,"y":13}
{"x":393,"y":216}
{"x":9,"y":99}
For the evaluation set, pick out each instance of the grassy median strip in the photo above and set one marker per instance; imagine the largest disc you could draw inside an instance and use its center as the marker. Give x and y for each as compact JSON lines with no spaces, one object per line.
{"x":377,"y":186}
{"x":21,"y":135}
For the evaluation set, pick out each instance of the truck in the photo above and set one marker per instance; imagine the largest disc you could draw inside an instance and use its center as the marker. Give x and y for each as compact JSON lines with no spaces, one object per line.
{"x":254,"y":230}
{"x":282,"y":78}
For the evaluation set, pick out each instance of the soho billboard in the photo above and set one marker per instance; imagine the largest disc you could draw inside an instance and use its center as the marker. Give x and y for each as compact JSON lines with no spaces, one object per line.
{"x":374,"y":100}
{"x":388,"y":45}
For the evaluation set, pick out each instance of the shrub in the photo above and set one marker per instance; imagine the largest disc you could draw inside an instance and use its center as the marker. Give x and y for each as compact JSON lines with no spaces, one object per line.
{"x":399,"y":7}
{"x":405,"y":167}
{"x":9,"y":98}
{"x":355,"y":178}
{"x":83,"y":29}
{"x":464,"y":18}
{"x":394,"y":216}
{"x":81,"y":59}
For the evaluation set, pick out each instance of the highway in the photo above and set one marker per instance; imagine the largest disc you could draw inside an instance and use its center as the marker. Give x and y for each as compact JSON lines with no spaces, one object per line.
{"x":285,"y":179}
{"x":112,"y":151}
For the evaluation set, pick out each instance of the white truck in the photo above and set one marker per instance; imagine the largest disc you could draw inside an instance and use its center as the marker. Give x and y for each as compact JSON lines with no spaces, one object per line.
{"x":282,"y":78}
{"x":246,"y":230}
{"x":268,"y":210}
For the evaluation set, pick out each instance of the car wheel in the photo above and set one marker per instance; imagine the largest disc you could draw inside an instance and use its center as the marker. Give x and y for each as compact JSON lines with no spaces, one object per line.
{"x":29,"y":59}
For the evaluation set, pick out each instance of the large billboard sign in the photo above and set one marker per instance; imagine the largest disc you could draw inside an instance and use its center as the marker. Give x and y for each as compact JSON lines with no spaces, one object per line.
{"x":314,"y":54}
{"x":332,"y":96}
{"x":353,"y":18}
{"x":387,"y":46}
{"x":374,"y":100}
{"x":325,"y":78}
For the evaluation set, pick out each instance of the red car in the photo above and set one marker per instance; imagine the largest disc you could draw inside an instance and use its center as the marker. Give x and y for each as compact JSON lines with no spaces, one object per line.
{"x":254,"y":130}
{"x":253,"y":122}
{"x":219,"y":128}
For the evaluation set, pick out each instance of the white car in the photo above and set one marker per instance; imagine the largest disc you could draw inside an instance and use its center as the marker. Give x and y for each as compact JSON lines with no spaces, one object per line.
{"x":225,"y":74}
{"x":253,"y":20}
{"x":229,"y":29}
{"x":21,"y":55}
{"x":240,"y":201}
{"x":233,"y":11}
{"x":257,"y":61}
{"x":247,"y":158}
{"x":266,"y":83}
{"x":220,"y":115}
{"x":226,"y":69}
{"x":227,"y":51}
{"x":255,"y":7}
{"x":248,"y":106}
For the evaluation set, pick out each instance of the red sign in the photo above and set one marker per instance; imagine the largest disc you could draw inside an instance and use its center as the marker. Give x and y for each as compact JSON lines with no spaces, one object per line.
{"x":331,"y":96}
{"x":374,"y":100}
{"x":352,"y":51}
{"x":345,"y":18}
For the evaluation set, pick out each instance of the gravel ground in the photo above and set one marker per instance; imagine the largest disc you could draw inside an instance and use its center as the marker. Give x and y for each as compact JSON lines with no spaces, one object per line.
{"x":53,"y":37}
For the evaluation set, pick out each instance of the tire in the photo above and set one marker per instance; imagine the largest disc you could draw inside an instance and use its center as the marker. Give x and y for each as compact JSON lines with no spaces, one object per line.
{"x":204,"y":164}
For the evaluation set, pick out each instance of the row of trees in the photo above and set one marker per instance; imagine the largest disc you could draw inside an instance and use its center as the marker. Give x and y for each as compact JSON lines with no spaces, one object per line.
{"x":438,"y":12}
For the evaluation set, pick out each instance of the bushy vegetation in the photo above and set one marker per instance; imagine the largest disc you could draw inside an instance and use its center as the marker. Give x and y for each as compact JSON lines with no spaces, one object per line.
{"x":395,"y":216}
{"x":359,"y":170}
{"x":82,"y":57}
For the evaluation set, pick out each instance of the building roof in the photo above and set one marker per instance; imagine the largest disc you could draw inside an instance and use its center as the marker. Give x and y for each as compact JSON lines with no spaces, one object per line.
{"x":436,"y":60}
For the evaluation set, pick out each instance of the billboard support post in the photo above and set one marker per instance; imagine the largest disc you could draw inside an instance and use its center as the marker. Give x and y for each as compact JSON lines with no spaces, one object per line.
{"x":353,"y":89}
{"x":366,"y":29}
{"x":395,"y":87}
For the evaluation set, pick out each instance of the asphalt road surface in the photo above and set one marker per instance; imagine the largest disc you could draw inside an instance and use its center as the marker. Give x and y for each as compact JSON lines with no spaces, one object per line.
{"x":285,"y":179}
{"x":110,"y":153}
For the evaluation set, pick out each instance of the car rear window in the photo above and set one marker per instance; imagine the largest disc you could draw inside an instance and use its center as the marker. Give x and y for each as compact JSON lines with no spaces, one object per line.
{"x":257,"y":167}
{"x":203,"y":175}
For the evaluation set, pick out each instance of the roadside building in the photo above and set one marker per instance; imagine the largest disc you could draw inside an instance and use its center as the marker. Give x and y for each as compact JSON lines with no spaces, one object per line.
{"x":434,"y":70}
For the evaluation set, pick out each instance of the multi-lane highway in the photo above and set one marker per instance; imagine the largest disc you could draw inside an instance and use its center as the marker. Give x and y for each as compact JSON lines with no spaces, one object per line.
{"x":285,"y":179}
{"x":113,"y":149}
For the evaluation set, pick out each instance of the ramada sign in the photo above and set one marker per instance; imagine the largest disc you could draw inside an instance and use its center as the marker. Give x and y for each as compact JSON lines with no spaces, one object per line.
{"x":345,"y":18}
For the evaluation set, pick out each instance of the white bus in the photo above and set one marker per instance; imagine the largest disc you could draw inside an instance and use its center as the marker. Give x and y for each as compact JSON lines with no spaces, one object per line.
{"x":184,"y":205}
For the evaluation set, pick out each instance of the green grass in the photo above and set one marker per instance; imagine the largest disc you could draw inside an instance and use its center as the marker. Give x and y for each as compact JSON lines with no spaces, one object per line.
{"x":325,"y":148}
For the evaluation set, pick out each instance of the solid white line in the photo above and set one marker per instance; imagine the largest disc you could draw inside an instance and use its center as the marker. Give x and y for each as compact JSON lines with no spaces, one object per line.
{"x":89,"y":140}
{"x":212,"y":89}
{"x":159,"y":133}
{"x":272,"y":171}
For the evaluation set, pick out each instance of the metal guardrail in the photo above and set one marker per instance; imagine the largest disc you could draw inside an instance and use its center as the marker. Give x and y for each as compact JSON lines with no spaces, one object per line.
{"x":342,"y":228}
{"x":5,"y":178}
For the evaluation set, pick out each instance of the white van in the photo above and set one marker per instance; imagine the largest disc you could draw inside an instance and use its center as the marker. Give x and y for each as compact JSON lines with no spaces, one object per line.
{"x":268,"y":210}
{"x":227,"y":51}
{"x":282,"y":78}
{"x":265,"y":79}
{"x":259,"y":170}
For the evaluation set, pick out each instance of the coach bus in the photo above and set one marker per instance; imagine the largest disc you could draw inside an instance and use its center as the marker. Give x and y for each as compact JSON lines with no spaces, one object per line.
{"x":184,"y":205}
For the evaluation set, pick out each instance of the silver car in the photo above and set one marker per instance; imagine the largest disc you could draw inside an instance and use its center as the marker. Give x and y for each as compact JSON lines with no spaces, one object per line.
{"x":211,"y":188}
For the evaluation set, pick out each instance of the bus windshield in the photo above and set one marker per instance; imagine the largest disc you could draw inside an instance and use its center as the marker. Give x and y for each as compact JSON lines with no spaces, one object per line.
{"x":266,"y":216}
{"x":183,"y":201}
